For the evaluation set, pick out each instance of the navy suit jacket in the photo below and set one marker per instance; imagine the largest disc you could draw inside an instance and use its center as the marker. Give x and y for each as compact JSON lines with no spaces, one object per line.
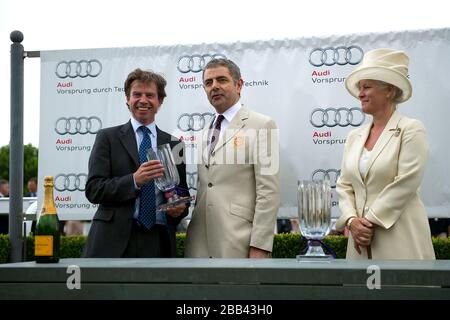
{"x":113,"y":160}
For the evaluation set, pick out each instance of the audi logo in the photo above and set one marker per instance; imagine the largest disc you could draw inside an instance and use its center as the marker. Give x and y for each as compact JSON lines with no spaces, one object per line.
{"x":71,"y":182}
{"x":332,"y":117}
{"x":194,"y":121}
{"x":196,"y":62}
{"x":82,"y":68}
{"x":340,"y":55}
{"x":322,"y":174}
{"x":191,"y":180}
{"x":80,"y":125}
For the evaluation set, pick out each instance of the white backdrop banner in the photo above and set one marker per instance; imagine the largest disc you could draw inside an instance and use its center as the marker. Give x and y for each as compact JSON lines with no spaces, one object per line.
{"x":299,"y":83}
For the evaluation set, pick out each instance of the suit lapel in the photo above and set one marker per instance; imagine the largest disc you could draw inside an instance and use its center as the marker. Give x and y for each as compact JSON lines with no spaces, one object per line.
{"x":162,"y":137}
{"x":235,"y":126}
{"x":204,"y":151}
{"x":128,"y":139}
{"x":386,"y":135}
{"x":359,"y":145}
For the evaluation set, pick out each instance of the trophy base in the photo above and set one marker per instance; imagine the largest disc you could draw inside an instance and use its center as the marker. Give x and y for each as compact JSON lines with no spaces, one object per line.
{"x":312,"y":258}
{"x":174,"y":203}
{"x":315,"y":252}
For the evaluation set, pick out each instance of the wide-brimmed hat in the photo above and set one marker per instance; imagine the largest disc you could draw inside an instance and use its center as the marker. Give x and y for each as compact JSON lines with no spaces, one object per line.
{"x":388,"y":65}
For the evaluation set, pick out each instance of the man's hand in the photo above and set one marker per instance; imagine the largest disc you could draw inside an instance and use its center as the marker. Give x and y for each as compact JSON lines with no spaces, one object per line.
{"x":147,"y":171}
{"x":258,"y":253}
{"x":177,"y":211}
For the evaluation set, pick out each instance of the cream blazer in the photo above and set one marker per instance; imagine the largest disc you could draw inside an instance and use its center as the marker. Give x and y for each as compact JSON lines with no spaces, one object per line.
{"x":389,"y":193}
{"x":238,"y":193}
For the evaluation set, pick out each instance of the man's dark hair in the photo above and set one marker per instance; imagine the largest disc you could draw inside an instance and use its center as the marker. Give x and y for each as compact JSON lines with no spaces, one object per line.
{"x":146,"y":76}
{"x":230,"y":65}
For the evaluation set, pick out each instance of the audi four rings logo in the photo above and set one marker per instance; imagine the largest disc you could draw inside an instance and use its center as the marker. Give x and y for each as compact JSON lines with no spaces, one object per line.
{"x":194,"y":121}
{"x":191,"y":180}
{"x":80,"y":125}
{"x":70,"y":182}
{"x":340,"y":55}
{"x":81,"y":68}
{"x":331,"y":174}
{"x":196,"y":62}
{"x":332,"y":117}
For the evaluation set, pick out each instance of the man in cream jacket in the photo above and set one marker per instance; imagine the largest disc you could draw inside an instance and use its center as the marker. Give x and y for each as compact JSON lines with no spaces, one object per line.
{"x":238,"y":181}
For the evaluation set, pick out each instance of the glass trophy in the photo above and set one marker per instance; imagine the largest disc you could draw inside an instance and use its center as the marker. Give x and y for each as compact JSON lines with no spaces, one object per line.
{"x":170,"y":179}
{"x":314,"y":213}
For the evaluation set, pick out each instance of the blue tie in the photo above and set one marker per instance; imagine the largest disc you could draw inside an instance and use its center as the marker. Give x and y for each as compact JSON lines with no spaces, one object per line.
{"x":147,"y":203}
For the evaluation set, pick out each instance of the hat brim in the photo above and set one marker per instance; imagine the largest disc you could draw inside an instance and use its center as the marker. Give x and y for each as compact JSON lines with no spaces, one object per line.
{"x":382,"y":74}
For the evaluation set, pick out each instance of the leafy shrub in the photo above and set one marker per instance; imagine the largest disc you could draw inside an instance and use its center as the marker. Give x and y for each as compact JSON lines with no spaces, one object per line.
{"x":286,"y":245}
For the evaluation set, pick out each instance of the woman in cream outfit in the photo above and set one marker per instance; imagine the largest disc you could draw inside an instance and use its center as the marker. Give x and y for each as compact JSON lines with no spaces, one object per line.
{"x":383,"y":166}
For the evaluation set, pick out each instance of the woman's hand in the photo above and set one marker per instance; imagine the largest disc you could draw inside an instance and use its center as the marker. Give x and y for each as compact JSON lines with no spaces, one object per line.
{"x":362,"y":231}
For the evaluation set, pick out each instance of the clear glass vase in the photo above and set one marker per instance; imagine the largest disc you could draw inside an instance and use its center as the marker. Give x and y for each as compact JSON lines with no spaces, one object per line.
{"x":170,"y":178}
{"x":314,"y":213}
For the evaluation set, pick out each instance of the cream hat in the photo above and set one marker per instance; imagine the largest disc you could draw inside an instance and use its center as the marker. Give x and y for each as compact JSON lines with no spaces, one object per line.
{"x":388,"y":65}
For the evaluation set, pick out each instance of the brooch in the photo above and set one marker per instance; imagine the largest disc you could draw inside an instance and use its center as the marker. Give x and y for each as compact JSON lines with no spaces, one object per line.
{"x":397,"y":131}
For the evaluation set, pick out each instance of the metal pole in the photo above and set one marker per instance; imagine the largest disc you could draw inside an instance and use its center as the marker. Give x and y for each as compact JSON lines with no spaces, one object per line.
{"x":16,"y":148}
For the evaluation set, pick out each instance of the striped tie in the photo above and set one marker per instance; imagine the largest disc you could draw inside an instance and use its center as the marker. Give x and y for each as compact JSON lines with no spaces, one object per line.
{"x":216,"y":133}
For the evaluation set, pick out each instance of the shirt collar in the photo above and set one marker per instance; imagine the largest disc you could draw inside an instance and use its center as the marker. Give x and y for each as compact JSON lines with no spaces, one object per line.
{"x":136,"y":124}
{"x":232,"y":111}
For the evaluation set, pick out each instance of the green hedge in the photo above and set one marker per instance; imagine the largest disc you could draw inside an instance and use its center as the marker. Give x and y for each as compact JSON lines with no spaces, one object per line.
{"x":71,"y":247}
{"x":289,"y":245}
{"x":285,"y":246}
{"x":5,"y":248}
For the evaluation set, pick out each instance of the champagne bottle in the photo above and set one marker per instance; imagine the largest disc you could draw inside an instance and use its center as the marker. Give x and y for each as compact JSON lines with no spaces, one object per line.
{"x":47,"y":234}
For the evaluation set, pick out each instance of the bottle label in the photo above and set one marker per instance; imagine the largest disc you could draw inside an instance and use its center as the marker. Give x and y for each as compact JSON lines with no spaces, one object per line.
{"x":43,"y":246}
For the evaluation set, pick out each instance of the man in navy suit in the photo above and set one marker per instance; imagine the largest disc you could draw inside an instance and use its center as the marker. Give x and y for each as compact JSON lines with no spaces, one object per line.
{"x":117,"y":177}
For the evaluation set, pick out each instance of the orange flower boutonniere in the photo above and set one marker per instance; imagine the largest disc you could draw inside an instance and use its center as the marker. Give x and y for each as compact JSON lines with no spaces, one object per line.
{"x":238,"y":141}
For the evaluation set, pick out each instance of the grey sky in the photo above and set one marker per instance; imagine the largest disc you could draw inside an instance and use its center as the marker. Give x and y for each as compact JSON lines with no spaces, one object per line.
{"x":55,"y":25}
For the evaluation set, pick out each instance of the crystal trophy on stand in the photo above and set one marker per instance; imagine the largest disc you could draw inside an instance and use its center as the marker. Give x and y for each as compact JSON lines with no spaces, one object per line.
{"x":314,"y":213}
{"x":170,"y":179}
